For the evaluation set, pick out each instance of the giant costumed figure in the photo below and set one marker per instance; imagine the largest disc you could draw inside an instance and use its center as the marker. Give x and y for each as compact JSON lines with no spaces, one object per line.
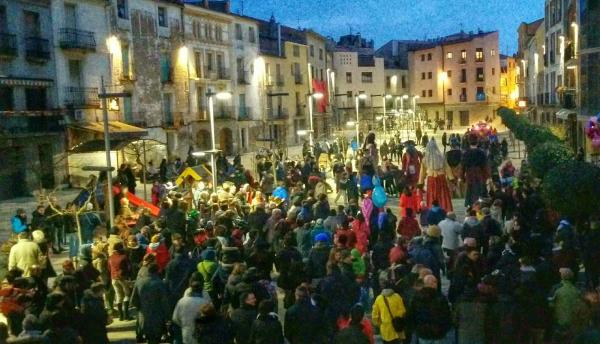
{"x":411,"y":164}
{"x":475,"y":171}
{"x":434,"y":171}
{"x":454,"y":160}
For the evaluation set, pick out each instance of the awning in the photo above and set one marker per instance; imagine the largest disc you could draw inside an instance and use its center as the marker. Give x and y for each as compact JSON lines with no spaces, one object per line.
{"x":117,"y":129}
{"x":98,"y":146}
{"x":565,"y":113}
{"x":12,"y":81}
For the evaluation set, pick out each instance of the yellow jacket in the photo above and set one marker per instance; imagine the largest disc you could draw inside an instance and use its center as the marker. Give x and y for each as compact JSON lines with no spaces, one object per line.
{"x":382,"y":317}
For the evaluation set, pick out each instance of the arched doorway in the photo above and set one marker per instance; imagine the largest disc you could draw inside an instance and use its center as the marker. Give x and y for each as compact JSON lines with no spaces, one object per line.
{"x":226,"y":141}
{"x":203,"y":140}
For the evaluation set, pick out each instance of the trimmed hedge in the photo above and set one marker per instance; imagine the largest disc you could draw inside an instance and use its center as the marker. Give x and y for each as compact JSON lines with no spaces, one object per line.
{"x":546,"y":156}
{"x":573,"y":189}
{"x":570,"y":187}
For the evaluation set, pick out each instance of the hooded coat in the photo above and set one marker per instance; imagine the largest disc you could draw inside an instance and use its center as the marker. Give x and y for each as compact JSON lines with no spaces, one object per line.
{"x":150,"y":297}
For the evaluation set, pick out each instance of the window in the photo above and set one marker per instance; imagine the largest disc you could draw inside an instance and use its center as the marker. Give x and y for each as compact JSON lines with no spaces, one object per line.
{"x":449,"y":73}
{"x":296,"y":51}
{"x":165,"y":67}
{"x":463,"y":75}
{"x":430,"y":93}
{"x":493,"y":89}
{"x":251,"y":35}
{"x":32,"y":24}
{"x":312,"y":50}
{"x":35,"y":98}
{"x":429,"y":57}
{"x":422,"y":57}
{"x":209,"y":61}
{"x":367,"y":77}
{"x":127,"y":110}
{"x":493,"y":71}
{"x":348,"y":77}
{"x":388,"y":82}
{"x":321,"y":74}
{"x":449,"y":92}
{"x":429,"y":75}
{"x":404,"y":81}
{"x":480,"y":94}
{"x":423,"y":76}
{"x":320,"y":54}
{"x":423,"y":93}
{"x":219,"y":33}
{"x":125,"y":59}
{"x":493,"y":52}
{"x":162,"y":17}
{"x":122,"y":10}
{"x":463,"y":95}
{"x":238,"y":32}
{"x":6,"y":98}
{"x":198,"y":62}
{"x":480,"y":74}
{"x":479,"y":55}
{"x":449,"y":55}
{"x":3,"y":21}
{"x":463,"y":56}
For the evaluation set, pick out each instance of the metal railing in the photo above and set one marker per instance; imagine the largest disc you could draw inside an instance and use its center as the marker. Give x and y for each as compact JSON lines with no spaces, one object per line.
{"x":37,"y":48}
{"x":277,"y":113}
{"x":244,"y":113}
{"x":223,"y":74}
{"x":78,"y":97}
{"x":463,"y":97}
{"x":223,"y":112}
{"x":8,"y":44}
{"x":77,"y":39}
{"x":279,"y":80}
{"x":480,"y":97}
{"x":298,"y":79}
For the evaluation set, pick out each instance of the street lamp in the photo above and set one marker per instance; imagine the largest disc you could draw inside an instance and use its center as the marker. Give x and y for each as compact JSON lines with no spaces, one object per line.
{"x":310,"y":97}
{"x":444,"y":77}
{"x":356,"y":98}
{"x":211,"y":111}
{"x":385,"y":97}
{"x":414,"y":115}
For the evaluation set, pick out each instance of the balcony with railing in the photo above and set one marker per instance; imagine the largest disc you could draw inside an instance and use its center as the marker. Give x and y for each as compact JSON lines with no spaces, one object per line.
{"x":77,"y":39}
{"x":81,"y":97}
{"x":37,"y":49}
{"x":223,"y":74}
{"x":463,"y":98}
{"x":8,"y":44}
{"x":480,"y":97}
{"x":277,"y":113}
{"x":298,"y":78}
{"x":279,"y":80}
{"x":244,"y":113}
{"x":224,"y":112}
{"x":46,"y":122}
{"x":243,"y":77}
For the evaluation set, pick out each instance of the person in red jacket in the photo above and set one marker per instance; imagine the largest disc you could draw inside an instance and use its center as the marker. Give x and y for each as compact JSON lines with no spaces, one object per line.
{"x":159,"y":249}
{"x":362,"y":232}
{"x":119,"y":267}
{"x":408,"y":227}
{"x":408,"y":199}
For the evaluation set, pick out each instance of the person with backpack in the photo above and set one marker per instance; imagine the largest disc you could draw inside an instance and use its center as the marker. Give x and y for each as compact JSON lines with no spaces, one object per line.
{"x":389,"y":315}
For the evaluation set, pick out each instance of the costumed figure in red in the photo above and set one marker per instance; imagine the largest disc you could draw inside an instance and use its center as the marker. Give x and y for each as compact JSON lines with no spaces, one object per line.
{"x":434,"y":171}
{"x":411,"y":164}
{"x":475,"y":171}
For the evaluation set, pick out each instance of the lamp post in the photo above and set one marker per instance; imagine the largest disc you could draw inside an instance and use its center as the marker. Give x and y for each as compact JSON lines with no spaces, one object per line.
{"x":444,"y":77}
{"x":211,"y":111}
{"x":356,"y":99}
{"x":415,"y":110}
{"x":316,"y":95}
{"x":385,"y":98}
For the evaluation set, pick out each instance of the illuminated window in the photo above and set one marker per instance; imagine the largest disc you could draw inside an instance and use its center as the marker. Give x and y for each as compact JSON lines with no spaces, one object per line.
{"x":479,"y":55}
{"x":449,"y":55}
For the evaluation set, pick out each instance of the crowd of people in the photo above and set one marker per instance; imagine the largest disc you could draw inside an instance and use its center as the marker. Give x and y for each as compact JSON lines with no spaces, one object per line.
{"x":277,"y":258}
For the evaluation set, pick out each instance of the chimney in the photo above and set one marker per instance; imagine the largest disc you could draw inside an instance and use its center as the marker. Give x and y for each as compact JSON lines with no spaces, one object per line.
{"x":227,"y":6}
{"x":205,"y":4}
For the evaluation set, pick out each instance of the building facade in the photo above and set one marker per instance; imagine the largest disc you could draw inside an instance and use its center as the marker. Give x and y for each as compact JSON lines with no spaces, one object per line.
{"x":358,"y":71}
{"x":457,"y":78}
{"x":32,"y":141}
{"x":509,"y":92}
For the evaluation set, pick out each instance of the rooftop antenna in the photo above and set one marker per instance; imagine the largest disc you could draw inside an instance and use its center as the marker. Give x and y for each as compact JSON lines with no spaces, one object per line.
{"x":242,"y":7}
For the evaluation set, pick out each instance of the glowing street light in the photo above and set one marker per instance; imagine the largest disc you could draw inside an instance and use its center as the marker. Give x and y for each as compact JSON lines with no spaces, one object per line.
{"x":211,"y":111}
{"x":356,"y":100}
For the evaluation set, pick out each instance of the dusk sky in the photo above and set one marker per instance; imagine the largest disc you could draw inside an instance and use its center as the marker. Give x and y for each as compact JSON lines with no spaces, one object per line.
{"x":383,"y":20}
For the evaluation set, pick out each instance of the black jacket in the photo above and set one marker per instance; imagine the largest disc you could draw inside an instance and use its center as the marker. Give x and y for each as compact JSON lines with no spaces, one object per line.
{"x":351,"y":335}
{"x":304,"y":324}
{"x":241,"y":321}
{"x":430,"y":314}
{"x":317,"y":261}
{"x":213,"y":330}
{"x":266,"y":330}
{"x":94,"y":319}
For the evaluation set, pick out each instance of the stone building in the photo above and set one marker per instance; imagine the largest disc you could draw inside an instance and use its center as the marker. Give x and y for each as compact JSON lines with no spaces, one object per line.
{"x":32,"y":136}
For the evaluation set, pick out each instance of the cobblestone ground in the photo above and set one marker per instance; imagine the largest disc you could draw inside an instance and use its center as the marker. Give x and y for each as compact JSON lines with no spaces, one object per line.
{"x":124,"y":331}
